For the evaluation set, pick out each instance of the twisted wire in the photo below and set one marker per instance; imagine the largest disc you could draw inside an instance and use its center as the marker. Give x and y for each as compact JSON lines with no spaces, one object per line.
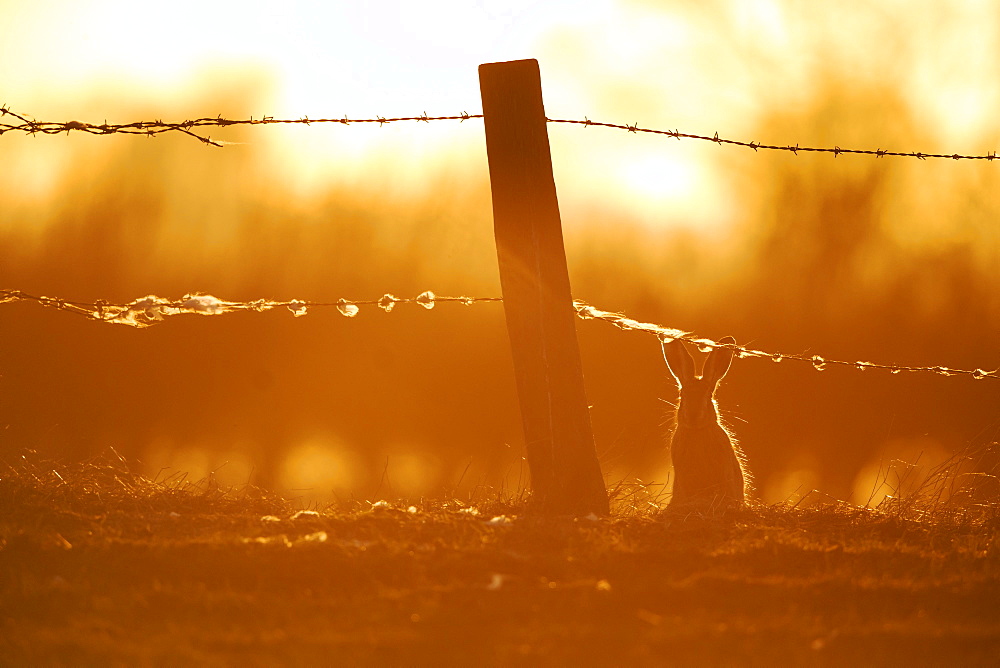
{"x":836,"y":150}
{"x":818,"y":362}
{"x":156,"y":127}
{"x":151,"y":310}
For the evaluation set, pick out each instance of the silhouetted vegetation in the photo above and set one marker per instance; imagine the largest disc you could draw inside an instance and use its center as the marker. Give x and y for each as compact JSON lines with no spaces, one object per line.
{"x":100,"y":565}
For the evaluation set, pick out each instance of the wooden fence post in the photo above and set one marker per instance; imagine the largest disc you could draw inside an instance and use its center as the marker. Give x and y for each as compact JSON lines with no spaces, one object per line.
{"x":565,"y":474}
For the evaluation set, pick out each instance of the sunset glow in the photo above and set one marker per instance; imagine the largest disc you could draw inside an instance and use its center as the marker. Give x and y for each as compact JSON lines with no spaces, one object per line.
{"x":323,"y":343}
{"x":687,"y":233}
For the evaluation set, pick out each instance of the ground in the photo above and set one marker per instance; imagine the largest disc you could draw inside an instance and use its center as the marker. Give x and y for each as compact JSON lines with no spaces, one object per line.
{"x":99,"y":566}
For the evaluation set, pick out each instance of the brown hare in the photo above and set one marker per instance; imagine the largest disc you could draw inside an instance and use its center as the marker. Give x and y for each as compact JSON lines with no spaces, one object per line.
{"x":708,"y":465}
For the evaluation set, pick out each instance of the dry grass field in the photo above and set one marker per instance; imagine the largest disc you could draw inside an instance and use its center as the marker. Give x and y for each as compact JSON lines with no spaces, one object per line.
{"x":100,"y":566}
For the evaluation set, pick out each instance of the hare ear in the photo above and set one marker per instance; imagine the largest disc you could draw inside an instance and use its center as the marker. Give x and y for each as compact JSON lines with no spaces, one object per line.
{"x":679,"y":361}
{"x":718,"y":361}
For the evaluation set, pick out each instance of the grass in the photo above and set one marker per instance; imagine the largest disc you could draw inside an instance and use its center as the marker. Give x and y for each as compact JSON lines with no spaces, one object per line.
{"x":100,"y":566}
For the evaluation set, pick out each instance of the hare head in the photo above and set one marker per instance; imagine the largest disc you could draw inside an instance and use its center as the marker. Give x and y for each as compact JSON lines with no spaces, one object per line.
{"x":697,"y":393}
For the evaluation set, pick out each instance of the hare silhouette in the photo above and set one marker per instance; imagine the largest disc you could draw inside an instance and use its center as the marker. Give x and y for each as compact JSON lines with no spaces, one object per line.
{"x":708,"y":465}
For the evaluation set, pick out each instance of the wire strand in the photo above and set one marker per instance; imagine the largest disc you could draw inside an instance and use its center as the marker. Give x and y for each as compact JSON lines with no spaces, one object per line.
{"x":836,"y":150}
{"x":156,"y":127}
{"x":818,"y":362}
{"x":150,"y":310}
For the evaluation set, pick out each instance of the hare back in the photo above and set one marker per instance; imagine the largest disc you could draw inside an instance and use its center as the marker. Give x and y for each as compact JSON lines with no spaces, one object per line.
{"x":706,"y":466}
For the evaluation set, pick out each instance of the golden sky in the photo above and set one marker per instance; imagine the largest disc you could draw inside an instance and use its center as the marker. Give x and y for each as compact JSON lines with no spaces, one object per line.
{"x":701,"y":67}
{"x":901,"y":75}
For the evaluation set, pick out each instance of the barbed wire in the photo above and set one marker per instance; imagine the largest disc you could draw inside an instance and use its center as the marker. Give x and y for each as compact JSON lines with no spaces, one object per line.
{"x":156,"y":127}
{"x":667,"y":334}
{"x":152,"y":128}
{"x":150,"y":310}
{"x":818,"y":362}
{"x":836,"y":150}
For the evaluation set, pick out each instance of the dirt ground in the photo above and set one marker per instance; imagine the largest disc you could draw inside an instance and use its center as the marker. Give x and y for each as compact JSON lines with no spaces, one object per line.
{"x":102,"y":567}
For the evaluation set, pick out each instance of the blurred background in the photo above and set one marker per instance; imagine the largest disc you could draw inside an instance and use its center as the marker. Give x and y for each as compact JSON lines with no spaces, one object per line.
{"x":889,"y":260}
